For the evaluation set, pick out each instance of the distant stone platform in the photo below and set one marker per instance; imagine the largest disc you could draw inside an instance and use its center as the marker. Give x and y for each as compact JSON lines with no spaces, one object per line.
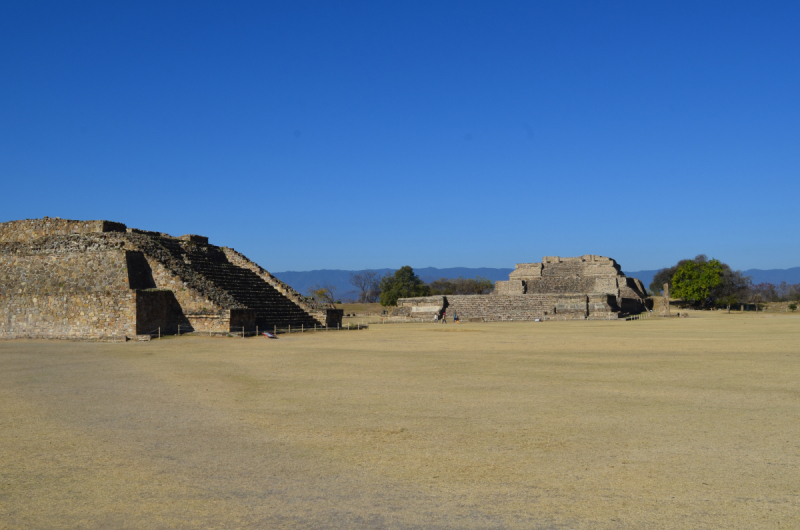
{"x":69,"y":279}
{"x":583,"y":288}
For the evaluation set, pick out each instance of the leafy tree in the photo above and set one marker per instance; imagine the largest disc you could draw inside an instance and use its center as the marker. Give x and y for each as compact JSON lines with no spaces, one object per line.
{"x":402,"y":284}
{"x":733,"y":287}
{"x":792,"y":307}
{"x":462,"y":285}
{"x":665,"y":275}
{"x":695,"y":281}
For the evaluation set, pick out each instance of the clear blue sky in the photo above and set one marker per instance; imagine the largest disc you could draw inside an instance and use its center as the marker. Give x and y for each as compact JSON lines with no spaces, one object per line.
{"x":352,"y":135}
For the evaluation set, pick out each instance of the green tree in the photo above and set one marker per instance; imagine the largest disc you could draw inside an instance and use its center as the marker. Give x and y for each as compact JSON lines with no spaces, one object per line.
{"x":732,"y":288}
{"x":665,"y":275}
{"x":462,"y":285}
{"x":402,"y":284}
{"x":695,"y":281}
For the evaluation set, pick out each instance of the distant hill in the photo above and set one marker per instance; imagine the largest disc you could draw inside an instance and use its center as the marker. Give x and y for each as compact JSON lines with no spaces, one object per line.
{"x":775,"y":276}
{"x":303,"y":280}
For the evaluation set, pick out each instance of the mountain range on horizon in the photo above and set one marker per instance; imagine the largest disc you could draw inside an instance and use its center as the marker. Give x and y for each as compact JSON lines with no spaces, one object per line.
{"x":301,"y":281}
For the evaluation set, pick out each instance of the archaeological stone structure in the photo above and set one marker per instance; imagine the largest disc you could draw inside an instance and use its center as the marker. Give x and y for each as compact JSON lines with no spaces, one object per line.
{"x":68,"y":279}
{"x":583,"y":288}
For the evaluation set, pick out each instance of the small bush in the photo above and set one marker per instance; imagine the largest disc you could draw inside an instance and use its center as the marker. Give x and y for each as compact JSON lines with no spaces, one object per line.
{"x":793,"y":307}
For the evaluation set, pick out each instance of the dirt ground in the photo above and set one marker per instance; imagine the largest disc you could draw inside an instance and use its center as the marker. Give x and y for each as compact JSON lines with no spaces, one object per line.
{"x":661,"y":423}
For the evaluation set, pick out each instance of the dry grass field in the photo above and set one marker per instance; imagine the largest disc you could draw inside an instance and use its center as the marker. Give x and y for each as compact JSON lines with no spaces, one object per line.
{"x":665,"y":423}
{"x":363,"y":308}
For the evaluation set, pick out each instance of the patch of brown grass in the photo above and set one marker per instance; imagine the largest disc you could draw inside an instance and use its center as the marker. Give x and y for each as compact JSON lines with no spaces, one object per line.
{"x":662,"y":423}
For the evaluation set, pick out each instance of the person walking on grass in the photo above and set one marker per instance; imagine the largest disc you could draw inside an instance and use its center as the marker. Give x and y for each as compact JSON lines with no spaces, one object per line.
{"x":436,"y":318}
{"x":444,"y":317}
{"x":455,"y":317}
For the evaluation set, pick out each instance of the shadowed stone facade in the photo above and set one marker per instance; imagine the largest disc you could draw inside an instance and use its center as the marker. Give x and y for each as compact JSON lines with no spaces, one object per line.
{"x":583,"y":288}
{"x":101,"y":280}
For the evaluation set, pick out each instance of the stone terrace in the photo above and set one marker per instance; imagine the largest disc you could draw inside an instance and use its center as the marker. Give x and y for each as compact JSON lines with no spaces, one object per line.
{"x":583,"y":288}
{"x":101,"y":280}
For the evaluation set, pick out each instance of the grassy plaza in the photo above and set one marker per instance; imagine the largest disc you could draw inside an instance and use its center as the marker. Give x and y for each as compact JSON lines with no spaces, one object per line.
{"x":660,"y":423}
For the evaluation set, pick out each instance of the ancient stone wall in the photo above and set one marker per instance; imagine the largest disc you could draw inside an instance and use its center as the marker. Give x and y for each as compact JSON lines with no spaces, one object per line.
{"x":509,"y":287}
{"x":62,"y":272}
{"x":493,"y":307}
{"x":514,"y":307}
{"x":108,"y":315}
{"x":424,"y":307}
{"x":560,"y":284}
{"x":156,"y":308}
{"x":32,"y":229}
{"x":584,"y":274}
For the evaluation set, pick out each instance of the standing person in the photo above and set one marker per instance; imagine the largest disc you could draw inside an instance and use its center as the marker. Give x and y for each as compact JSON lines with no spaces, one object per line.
{"x":455,"y":317}
{"x":436,"y":318}
{"x":444,"y":317}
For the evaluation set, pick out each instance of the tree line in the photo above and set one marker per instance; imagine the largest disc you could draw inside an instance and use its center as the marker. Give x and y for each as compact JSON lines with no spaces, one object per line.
{"x":709,"y":283}
{"x":402,"y":283}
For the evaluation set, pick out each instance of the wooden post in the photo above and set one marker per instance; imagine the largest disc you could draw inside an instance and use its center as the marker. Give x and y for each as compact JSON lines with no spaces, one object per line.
{"x":159,"y":332}
{"x":303,"y":327}
{"x":179,"y":330}
{"x":275,"y":329}
{"x":256,"y":331}
{"x":290,"y":329}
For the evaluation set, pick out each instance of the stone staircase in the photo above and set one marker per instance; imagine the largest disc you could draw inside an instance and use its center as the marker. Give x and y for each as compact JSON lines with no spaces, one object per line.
{"x":315,"y":308}
{"x":207,"y":269}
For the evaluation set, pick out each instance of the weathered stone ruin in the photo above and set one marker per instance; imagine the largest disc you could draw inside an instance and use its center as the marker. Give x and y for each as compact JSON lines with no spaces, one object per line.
{"x":101,"y":280}
{"x":584,"y":288}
